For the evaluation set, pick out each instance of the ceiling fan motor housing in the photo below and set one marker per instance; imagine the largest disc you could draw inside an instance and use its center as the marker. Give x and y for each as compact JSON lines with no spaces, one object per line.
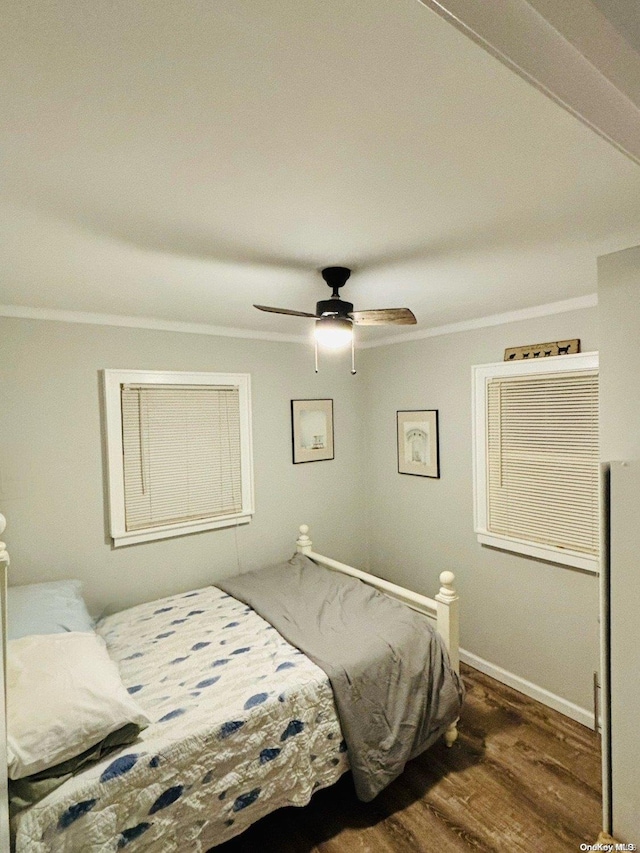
{"x":333,"y":306}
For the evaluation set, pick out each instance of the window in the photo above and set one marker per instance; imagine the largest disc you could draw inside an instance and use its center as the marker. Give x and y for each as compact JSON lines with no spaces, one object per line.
{"x":536,"y":465}
{"x":179,"y":453}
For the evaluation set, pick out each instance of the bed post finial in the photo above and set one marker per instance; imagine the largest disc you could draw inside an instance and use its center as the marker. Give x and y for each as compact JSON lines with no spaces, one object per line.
{"x":303,"y":543}
{"x":447,"y":591}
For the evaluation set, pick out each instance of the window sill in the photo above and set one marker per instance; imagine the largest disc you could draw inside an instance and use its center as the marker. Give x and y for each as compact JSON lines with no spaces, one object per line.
{"x":541,"y":552}
{"x":133,"y":537}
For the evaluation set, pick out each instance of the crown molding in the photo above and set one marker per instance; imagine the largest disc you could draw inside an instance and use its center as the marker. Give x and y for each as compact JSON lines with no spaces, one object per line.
{"x":25,"y":312}
{"x":575,"y":304}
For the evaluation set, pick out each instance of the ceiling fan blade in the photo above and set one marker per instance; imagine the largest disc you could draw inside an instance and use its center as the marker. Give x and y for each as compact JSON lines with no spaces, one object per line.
{"x":284,"y":311}
{"x":384,"y":317}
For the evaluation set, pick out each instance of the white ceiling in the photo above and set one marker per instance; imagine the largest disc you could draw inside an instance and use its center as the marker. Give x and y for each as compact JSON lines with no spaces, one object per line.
{"x":183,"y":160}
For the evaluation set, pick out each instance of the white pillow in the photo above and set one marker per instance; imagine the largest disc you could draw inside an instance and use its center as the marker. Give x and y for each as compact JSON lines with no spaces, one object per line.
{"x":64,"y":695}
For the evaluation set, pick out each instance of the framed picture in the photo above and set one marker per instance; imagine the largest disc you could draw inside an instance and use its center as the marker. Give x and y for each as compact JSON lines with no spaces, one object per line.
{"x":312,"y":430}
{"x":418,"y":452}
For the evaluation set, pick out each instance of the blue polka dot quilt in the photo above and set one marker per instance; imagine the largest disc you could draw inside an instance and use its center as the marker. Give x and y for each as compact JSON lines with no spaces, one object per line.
{"x":242,"y":724}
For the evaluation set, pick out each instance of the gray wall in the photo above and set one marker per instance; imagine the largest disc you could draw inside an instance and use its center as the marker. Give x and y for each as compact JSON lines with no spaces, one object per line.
{"x":619,"y":314}
{"x":534,"y":619}
{"x":51,"y":467}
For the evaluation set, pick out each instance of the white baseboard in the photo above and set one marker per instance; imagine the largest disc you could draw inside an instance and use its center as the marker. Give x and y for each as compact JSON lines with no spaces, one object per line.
{"x":533,"y":691}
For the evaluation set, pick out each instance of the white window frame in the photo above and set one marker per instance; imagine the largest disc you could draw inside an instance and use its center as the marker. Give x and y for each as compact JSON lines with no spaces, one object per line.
{"x":481,"y":375}
{"x":112,"y":382}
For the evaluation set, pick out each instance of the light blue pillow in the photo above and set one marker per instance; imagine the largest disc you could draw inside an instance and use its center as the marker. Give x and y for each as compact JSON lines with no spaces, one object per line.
{"x":46,"y":608}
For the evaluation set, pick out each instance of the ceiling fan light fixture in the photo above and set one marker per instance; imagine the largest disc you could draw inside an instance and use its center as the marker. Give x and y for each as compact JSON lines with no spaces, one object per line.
{"x":335,"y":317}
{"x":333,"y":332}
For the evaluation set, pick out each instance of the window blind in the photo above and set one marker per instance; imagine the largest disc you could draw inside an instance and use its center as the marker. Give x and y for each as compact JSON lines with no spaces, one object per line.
{"x":181,"y":453}
{"x":543,"y":459}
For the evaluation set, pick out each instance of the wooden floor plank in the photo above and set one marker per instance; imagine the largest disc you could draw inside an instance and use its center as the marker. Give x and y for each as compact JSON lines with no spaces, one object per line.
{"x":521,"y":777}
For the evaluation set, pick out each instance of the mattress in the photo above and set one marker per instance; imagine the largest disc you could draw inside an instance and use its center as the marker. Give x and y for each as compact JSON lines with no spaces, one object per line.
{"x":242,"y":723}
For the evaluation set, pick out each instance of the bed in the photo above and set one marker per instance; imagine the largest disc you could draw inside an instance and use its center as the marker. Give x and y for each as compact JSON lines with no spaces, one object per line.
{"x":242,"y":722}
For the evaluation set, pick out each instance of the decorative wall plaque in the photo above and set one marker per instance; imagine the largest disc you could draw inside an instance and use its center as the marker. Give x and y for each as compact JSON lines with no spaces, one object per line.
{"x":543,"y":350}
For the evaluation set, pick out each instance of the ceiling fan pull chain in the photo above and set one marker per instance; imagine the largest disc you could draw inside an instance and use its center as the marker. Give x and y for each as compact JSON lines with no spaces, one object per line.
{"x":353,"y":355}
{"x":316,"y":352}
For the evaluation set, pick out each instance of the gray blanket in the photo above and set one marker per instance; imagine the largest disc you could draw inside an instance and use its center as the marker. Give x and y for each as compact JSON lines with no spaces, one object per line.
{"x":394,"y":688}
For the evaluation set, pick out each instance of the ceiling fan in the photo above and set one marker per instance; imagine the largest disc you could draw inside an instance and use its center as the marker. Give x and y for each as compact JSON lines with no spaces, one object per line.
{"x":335,"y":317}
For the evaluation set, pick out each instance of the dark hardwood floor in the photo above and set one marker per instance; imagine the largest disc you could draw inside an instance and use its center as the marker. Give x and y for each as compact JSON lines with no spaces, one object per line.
{"x":521,"y":777}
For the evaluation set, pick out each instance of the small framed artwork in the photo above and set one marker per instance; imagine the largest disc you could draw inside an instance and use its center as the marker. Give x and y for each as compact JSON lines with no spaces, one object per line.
{"x":312,"y":430}
{"x":418,"y":451}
